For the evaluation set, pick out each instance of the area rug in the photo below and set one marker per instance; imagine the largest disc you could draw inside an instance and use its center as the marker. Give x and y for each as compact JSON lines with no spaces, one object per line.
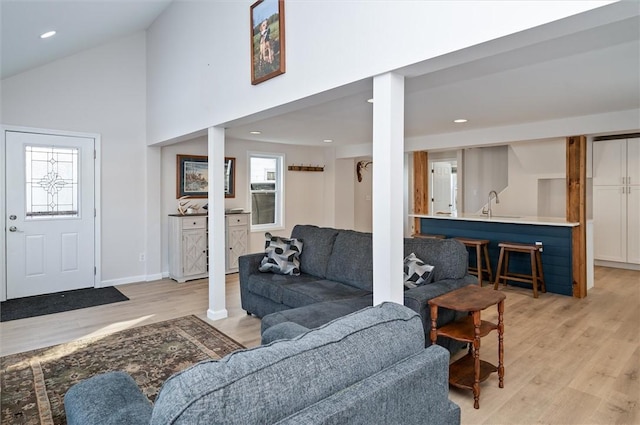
{"x":39,"y":305}
{"x":33,"y":383}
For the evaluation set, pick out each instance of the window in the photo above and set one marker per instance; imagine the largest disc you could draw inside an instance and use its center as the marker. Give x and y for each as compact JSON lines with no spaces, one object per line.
{"x":51,"y":182}
{"x":265,"y":171}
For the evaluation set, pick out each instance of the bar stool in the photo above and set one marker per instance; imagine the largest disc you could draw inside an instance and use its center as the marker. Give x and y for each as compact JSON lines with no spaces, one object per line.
{"x":428,"y":236}
{"x":482,"y":251}
{"x":537,"y":275}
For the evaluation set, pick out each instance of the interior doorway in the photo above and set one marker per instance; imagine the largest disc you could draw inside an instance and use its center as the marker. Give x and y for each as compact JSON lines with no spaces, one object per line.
{"x":444,"y":186}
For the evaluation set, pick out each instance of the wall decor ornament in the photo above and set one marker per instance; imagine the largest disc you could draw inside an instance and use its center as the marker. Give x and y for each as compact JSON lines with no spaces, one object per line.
{"x":362,"y":165}
{"x":267,"y":40}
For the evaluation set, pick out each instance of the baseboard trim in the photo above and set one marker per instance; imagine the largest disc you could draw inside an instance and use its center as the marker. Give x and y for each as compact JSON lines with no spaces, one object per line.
{"x":130,"y":279}
{"x":616,"y":265}
{"x":217,"y":315}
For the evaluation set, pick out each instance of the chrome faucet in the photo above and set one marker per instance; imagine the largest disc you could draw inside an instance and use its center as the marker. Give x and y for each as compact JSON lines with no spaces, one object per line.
{"x":488,"y":209}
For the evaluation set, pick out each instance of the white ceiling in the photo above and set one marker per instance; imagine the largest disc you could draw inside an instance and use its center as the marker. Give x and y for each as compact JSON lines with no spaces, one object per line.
{"x":587,"y":72}
{"x":80,"y":25}
{"x":591,"y":72}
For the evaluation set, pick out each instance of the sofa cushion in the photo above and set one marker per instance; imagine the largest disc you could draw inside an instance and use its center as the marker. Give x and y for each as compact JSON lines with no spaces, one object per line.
{"x":351,"y":261}
{"x":304,"y":293}
{"x":269,"y":383}
{"x":316,"y":315}
{"x":448,"y":256}
{"x":281,"y":255}
{"x":270,"y":285}
{"x":416,"y":272}
{"x":318,"y":244}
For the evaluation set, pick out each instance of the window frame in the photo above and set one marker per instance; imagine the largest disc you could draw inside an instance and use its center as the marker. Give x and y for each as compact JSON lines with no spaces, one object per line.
{"x":279,"y":191}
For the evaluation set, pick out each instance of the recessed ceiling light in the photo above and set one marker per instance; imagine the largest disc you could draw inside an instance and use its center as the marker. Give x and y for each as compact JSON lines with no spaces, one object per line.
{"x":255,"y":132}
{"x":460,"y":120}
{"x":48,"y":34}
{"x":370,"y":100}
{"x":328,"y":140}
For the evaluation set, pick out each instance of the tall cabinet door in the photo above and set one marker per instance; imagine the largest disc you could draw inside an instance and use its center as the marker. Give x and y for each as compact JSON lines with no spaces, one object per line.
{"x":633,"y":224}
{"x":609,"y":224}
{"x":633,"y":161}
{"x":609,"y":162}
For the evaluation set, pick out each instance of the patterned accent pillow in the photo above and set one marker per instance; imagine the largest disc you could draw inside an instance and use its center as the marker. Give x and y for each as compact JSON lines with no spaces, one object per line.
{"x":416,"y":272}
{"x":282,"y":255}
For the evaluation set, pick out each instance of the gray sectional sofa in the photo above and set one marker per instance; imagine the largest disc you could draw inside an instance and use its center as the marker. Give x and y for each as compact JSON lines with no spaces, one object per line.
{"x":369,"y":367}
{"x":337,"y":279}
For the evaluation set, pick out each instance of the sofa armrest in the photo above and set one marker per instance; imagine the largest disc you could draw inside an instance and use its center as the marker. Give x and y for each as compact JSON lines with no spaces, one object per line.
{"x":284,"y":330}
{"x":109,"y":398}
{"x":248,"y":264}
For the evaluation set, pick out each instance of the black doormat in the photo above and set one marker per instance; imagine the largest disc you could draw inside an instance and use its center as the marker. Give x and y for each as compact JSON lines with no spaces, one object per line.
{"x":39,"y":305}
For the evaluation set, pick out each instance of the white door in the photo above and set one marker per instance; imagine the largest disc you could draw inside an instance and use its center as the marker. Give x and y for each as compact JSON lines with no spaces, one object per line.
{"x":50,"y":213}
{"x":442,"y":195}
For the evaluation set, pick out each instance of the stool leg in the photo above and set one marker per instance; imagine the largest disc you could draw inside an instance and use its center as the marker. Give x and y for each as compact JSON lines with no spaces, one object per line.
{"x":506,"y":267}
{"x":487,"y":262}
{"x":534,"y":275}
{"x":479,"y":265}
{"x":499,"y":271}
{"x":540,"y":271}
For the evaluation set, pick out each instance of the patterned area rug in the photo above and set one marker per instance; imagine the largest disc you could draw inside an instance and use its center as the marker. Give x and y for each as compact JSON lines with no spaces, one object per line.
{"x":33,"y":384}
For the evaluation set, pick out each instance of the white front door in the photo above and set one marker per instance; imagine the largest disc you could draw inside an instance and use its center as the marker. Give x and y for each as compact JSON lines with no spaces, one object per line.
{"x":49,"y":213}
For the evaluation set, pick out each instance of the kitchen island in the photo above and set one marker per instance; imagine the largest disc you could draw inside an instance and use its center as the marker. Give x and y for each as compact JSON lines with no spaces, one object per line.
{"x":554,"y":233}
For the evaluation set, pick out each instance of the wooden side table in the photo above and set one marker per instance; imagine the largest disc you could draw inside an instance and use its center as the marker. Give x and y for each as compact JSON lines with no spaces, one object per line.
{"x":468,"y":371}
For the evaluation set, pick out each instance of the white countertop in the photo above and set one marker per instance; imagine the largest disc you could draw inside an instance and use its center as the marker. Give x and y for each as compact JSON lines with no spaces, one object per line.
{"x":512,"y":219}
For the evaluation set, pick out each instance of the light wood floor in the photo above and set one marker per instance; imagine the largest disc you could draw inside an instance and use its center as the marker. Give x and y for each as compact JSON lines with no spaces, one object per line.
{"x":567,"y":361}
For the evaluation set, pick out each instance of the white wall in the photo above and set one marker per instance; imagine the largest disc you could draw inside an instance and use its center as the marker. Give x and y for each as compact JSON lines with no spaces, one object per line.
{"x":99,"y":91}
{"x":529,"y":177}
{"x":199,"y":64}
{"x":304,"y":191}
{"x":485,"y":169}
{"x":363,"y":198}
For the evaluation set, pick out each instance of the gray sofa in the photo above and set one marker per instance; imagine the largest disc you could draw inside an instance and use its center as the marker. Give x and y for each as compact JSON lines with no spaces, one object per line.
{"x":369,"y":367}
{"x":337,"y":278}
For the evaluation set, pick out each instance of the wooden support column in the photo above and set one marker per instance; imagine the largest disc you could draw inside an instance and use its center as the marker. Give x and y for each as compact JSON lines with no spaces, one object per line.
{"x":577,"y":210}
{"x":420,"y":186}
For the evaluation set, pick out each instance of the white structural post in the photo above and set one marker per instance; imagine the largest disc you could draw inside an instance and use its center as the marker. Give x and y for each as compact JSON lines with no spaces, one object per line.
{"x":217,"y":303}
{"x":388,"y":186}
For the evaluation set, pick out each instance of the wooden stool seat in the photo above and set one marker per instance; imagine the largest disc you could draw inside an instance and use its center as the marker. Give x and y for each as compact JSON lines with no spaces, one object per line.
{"x":482,"y":252}
{"x":428,"y":236}
{"x":536,"y":278}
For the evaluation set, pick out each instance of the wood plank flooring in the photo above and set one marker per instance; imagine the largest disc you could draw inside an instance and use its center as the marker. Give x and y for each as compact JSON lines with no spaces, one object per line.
{"x":567,"y":361}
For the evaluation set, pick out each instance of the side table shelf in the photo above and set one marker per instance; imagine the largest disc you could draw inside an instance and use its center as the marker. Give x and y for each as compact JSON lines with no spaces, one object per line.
{"x":468,"y":371}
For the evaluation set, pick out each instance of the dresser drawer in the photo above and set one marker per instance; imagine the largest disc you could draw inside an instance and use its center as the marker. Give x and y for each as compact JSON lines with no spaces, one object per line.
{"x":238,"y":219}
{"x":194,"y":223}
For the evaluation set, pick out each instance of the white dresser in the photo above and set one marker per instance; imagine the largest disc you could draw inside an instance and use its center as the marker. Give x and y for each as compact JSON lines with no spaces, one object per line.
{"x":236,"y":239}
{"x":188,"y":247}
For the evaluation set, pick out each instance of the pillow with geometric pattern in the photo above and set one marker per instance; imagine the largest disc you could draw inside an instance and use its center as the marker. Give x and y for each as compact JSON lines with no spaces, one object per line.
{"x":282,"y":255}
{"x":416,"y":272}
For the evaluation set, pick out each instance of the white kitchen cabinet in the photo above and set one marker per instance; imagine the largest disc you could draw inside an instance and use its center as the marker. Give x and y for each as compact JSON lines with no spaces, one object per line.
{"x":188,"y":247}
{"x":236,"y":239}
{"x":616,"y":200}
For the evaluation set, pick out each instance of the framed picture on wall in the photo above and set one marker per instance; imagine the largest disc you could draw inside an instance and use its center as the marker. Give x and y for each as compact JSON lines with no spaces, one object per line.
{"x":267,"y":40}
{"x":229,"y":177}
{"x":192,"y":176}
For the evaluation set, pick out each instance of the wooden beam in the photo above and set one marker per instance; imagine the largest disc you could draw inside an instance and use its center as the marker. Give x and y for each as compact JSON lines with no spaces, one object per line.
{"x":577,"y":210}
{"x":420,"y":186}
